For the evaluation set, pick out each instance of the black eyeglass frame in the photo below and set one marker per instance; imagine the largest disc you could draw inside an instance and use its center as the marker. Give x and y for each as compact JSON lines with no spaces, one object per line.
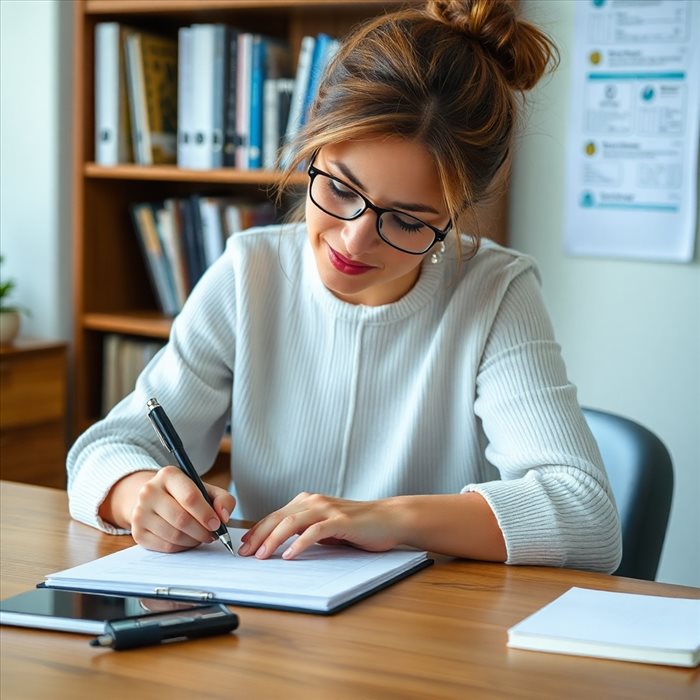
{"x":440,"y":235}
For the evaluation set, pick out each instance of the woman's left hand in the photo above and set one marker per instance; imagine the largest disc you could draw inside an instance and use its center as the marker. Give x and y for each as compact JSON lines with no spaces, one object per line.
{"x":370,"y":525}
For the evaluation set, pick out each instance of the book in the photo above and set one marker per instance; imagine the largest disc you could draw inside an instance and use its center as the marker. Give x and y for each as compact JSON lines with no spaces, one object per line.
{"x":230,"y":92}
{"x":112,"y":120}
{"x":207,"y":66}
{"x":159,"y":56}
{"x":301,"y":82}
{"x":623,"y":626}
{"x":244,"y":63}
{"x":269,"y":60}
{"x":124,"y":358}
{"x":151,"y":62}
{"x":156,"y":261}
{"x":324,"y":50}
{"x":185,"y":92}
{"x":324,"y":579}
{"x":136,"y":91}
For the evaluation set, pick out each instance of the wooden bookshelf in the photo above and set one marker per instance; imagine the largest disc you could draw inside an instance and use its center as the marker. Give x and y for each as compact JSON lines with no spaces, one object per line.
{"x":112,"y":291}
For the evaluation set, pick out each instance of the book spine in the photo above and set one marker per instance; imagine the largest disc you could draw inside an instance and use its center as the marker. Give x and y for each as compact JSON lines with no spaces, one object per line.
{"x":137,"y":100}
{"x":212,"y":235}
{"x":229,"y":157}
{"x":193,"y":259}
{"x":257,"y":79}
{"x":218,"y":101}
{"x":245,"y":47}
{"x":159,"y":61}
{"x":145,"y":227}
{"x":198,"y":232}
{"x":107,"y":93}
{"x":301,"y":82}
{"x":318,"y":65}
{"x":184,"y":97}
{"x":171,"y":246}
{"x":203,"y":96}
{"x":271,"y":122}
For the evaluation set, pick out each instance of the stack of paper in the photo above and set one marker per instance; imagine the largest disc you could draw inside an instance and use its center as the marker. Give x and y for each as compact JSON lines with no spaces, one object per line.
{"x":624,"y":626}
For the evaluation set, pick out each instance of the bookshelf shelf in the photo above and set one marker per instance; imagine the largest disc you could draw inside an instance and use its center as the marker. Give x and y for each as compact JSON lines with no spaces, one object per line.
{"x":149,"y":324}
{"x":143,"y":7}
{"x":171,"y":173}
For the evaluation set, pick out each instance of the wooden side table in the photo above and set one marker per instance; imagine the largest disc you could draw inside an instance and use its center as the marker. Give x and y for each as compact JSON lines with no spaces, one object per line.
{"x":33,"y":381}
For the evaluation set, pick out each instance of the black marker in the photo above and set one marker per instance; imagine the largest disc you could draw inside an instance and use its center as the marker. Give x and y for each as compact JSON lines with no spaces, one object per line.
{"x":171,"y":441}
{"x":134,"y":632}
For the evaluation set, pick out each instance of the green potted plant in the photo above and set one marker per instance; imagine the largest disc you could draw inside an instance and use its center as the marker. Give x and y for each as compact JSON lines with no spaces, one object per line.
{"x":9,"y":314}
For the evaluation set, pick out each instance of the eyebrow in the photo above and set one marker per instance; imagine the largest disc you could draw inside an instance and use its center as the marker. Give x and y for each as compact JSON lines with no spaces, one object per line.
{"x":406,"y":206}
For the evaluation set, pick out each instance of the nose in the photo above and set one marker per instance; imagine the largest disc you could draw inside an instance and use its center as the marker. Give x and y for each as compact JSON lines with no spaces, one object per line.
{"x":360,"y":235}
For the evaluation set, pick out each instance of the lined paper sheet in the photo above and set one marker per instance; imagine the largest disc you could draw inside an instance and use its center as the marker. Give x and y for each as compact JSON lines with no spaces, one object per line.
{"x":321,"y":578}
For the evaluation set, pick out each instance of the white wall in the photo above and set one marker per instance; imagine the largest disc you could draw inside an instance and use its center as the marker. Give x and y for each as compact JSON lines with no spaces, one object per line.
{"x":35,"y":72}
{"x":630,"y":331}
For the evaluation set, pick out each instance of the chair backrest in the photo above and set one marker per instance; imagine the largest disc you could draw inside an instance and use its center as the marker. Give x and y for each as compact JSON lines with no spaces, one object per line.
{"x":640,"y":471}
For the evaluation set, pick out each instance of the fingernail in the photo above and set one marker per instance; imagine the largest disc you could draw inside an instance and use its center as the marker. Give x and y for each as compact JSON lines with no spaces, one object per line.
{"x":225,"y":515}
{"x":261,"y":552}
{"x":213,"y":523}
{"x":288,"y":553}
{"x":244,"y":549}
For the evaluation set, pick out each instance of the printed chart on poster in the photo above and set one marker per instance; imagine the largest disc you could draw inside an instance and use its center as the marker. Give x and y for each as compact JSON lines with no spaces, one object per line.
{"x":632,"y":149}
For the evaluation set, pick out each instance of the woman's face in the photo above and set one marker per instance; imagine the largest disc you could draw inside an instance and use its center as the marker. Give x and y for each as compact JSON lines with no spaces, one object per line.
{"x":354,"y":263}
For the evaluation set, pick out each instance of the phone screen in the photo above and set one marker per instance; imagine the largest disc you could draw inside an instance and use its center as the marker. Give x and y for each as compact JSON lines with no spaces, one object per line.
{"x":73,"y":611}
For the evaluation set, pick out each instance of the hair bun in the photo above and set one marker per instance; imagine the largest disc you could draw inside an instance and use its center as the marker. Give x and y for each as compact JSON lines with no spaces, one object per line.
{"x":521,"y":50}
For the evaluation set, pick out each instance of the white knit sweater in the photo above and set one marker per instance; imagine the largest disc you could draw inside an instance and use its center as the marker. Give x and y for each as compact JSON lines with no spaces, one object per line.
{"x":458,"y":386}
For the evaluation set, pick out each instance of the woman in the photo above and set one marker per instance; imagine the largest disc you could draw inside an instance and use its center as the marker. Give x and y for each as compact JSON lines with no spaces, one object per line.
{"x":389,"y":380}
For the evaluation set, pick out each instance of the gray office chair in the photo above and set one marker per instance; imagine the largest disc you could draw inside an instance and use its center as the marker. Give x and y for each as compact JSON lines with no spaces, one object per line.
{"x":641,"y":477}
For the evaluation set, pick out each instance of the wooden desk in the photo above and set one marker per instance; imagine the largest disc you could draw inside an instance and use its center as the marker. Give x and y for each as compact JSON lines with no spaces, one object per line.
{"x":438,"y":634}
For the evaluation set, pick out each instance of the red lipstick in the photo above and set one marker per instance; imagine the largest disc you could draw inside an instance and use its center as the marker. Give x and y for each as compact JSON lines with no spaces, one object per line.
{"x":348,"y":267}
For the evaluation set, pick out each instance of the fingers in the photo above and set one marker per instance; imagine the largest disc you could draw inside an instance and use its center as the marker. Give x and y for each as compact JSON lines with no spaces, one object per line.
{"x":171,"y":514}
{"x":224,"y":502}
{"x":313,"y":517}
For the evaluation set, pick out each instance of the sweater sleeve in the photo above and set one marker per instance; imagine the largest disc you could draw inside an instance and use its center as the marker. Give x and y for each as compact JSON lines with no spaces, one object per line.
{"x":553,"y":502}
{"x":191,"y":378}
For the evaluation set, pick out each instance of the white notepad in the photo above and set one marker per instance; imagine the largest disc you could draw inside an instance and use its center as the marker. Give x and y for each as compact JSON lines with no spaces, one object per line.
{"x":624,"y":626}
{"x":323,"y":579}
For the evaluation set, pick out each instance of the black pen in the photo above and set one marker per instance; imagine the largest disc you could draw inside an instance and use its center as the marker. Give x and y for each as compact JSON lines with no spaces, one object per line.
{"x":171,"y":441}
{"x":131,"y":633}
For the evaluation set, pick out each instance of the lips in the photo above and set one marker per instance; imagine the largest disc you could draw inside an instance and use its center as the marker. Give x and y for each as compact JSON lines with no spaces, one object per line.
{"x":346,"y":266}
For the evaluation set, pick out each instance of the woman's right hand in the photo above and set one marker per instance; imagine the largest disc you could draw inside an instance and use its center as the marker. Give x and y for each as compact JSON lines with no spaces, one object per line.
{"x":165,"y":510}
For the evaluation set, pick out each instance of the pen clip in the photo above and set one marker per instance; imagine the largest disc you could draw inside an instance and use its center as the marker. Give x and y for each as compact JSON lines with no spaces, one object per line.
{"x":155,"y":428}
{"x":183,"y":593}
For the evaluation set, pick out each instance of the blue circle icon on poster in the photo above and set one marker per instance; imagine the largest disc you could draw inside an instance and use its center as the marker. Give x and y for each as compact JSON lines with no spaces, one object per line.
{"x":598,"y":3}
{"x":587,"y":199}
{"x":648,"y":93}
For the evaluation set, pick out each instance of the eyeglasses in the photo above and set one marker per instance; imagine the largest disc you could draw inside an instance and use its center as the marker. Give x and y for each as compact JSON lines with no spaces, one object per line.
{"x":400,"y":230}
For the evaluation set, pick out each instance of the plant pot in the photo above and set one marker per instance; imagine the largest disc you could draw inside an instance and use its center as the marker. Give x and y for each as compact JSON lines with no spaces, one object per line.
{"x":9,"y":326}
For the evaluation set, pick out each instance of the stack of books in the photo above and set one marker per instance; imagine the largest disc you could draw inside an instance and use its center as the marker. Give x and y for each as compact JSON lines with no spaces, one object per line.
{"x":181,"y":237}
{"x":211,"y":97}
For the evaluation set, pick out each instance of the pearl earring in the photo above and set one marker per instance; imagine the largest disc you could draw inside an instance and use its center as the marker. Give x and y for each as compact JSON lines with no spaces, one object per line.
{"x":436,"y":256}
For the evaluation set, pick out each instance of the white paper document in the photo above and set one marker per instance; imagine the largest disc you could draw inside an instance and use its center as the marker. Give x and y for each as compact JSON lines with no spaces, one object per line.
{"x":322,"y":579}
{"x":624,"y":626}
{"x":632,"y":148}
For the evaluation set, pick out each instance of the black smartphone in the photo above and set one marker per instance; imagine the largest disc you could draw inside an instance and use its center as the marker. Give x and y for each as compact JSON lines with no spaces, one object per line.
{"x":74,"y":611}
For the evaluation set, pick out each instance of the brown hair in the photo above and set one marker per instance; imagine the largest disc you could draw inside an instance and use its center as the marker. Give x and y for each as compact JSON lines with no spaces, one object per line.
{"x":447,"y":76}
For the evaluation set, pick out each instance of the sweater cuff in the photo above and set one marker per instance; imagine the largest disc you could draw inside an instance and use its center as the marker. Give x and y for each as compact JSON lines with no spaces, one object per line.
{"x":101,"y":471}
{"x":527,"y":540}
